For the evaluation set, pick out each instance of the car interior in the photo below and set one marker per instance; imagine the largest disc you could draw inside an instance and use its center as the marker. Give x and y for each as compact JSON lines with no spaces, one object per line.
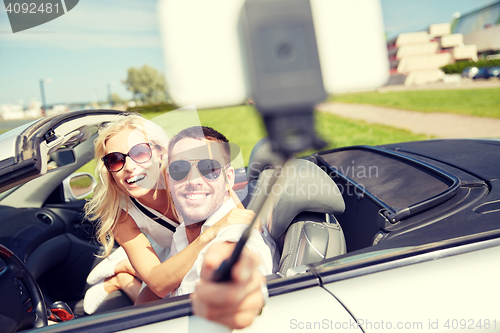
{"x":328,"y":205}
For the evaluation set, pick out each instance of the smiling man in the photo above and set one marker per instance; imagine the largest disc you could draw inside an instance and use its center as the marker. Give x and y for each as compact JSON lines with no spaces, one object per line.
{"x":200,"y":175}
{"x":200,"y":179}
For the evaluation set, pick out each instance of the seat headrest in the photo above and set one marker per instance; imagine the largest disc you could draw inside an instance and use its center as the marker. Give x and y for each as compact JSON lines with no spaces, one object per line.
{"x":301,"y":186}
{"x":261,"y":158}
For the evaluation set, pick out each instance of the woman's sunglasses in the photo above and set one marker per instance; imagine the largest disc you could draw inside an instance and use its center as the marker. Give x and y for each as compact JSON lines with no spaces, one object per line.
{"x":210,"y":169}
{"x":140,"y":153}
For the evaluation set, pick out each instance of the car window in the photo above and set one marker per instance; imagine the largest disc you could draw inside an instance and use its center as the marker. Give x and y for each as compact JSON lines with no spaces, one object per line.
{"x":396,"y":182}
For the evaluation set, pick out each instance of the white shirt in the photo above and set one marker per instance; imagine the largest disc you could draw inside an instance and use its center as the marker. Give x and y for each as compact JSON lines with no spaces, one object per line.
{"x":159,"y":236}
{"x":231,"y":233}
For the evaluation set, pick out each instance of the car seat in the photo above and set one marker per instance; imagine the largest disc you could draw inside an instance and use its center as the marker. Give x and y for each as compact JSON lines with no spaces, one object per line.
{"x":261,"y":158}
{"x":299,"y":213}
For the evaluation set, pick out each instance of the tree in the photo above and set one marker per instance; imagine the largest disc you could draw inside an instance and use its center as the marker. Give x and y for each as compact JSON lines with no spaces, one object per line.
{"x":116,"y":99}
{"x":147,"y":84}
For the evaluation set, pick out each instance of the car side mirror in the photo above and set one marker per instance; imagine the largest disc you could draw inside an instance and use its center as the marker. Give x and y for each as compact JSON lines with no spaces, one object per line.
{"x":78,"y":186}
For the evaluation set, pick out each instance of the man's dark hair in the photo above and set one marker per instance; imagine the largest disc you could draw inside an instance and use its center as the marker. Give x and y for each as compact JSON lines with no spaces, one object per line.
{"x":200,"y":133}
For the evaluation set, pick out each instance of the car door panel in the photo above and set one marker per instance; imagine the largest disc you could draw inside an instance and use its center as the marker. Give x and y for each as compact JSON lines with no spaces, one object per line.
{"x":450,"y":291}
{"x":24,"y":229}
{"x":67,"y":280}
{"x":307,"y":309}
{"x":72,"y":213}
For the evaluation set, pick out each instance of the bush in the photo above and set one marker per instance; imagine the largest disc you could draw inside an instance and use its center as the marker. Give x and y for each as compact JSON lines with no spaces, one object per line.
{"x":162,"y":107}
{"x":459,"y":66}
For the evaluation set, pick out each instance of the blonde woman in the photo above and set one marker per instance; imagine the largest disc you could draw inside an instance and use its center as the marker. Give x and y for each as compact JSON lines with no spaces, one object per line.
{"x":134,"y":208}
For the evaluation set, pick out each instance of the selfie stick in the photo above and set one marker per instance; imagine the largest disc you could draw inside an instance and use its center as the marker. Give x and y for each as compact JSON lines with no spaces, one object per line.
{"x":285,"y":74}
{"x":223,"y":273}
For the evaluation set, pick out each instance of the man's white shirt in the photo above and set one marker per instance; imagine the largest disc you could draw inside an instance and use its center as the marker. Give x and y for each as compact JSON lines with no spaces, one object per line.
{"x":230,"y":233}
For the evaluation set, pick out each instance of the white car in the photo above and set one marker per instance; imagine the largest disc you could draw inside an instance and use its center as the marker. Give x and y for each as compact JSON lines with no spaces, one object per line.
{"x":421,"y":226}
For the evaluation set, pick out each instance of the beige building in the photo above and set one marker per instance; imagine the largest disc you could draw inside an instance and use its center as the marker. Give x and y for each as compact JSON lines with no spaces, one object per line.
{"x":416,"y":58}
{"x":481,"y":28}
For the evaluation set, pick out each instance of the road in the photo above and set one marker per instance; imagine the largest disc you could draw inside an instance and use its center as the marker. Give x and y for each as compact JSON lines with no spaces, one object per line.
{"x":10,"y":124}
{"x":439,"y":125}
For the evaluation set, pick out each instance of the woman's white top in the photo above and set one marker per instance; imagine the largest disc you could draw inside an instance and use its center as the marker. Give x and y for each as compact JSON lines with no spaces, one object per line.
{"x":159,"y":236}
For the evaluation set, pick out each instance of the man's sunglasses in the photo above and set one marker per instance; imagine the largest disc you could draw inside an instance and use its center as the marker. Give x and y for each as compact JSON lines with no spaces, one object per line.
{"x":208,"y":168}
{"x":140,"y":153}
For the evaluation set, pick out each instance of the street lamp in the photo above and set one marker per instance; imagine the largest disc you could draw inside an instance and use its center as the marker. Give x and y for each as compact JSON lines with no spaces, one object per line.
{"x":110,"y":98}
{"x":44,"y":103}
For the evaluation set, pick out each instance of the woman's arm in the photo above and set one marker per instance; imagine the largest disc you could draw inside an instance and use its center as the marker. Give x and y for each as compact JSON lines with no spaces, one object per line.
{"x":164,"y":277}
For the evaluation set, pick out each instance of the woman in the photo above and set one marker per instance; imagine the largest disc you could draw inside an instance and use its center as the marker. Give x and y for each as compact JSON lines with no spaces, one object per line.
{"x":129,"y":202}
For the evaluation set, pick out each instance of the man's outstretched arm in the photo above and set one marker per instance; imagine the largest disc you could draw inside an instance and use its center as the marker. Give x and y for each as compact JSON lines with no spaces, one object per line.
{"x":235,"y":303}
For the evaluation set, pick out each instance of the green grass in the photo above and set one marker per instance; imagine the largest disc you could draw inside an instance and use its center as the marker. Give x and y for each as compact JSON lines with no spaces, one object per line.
{"x":89,"y":167}
{"x":243,"y":126}
{"x":474,"y":102}
{"x":341,"y":132}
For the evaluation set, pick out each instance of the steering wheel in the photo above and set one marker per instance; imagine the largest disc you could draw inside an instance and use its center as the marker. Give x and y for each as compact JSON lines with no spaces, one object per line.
{"x":19,"y":290}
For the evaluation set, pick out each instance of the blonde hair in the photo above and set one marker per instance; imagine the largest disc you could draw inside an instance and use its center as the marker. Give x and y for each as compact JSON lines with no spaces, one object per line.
{"x":106,"y":204}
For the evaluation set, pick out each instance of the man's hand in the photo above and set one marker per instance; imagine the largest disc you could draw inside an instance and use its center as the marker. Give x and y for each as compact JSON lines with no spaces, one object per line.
{"x":235,"y":303}
{"x":235,"y":216}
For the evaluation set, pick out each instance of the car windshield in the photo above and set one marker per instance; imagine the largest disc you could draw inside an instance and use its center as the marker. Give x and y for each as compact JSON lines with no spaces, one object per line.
{"x":7,"y":192}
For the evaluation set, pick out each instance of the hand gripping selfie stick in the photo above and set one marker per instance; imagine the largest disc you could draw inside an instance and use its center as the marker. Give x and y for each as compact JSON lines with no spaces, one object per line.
{"x":286,"y":82}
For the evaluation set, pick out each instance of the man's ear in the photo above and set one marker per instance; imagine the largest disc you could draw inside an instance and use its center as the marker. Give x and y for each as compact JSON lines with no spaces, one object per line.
{"x":230,"y":175}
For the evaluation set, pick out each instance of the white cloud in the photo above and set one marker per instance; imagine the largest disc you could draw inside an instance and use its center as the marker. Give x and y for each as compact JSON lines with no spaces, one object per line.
{"x":105,"y":16}
{"x":82,"y":41}
{"x":93,"y":24}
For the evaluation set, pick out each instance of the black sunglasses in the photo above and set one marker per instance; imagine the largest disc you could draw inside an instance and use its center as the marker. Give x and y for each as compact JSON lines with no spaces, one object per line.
{"x":140,"y":153}
{"x":208,"y":168}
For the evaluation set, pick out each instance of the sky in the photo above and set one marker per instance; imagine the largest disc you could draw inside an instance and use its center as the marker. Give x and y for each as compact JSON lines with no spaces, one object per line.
{"x":91,"y":47}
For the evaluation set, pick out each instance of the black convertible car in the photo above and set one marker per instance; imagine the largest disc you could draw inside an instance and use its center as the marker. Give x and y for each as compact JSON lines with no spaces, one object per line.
{"x":421,"y":227}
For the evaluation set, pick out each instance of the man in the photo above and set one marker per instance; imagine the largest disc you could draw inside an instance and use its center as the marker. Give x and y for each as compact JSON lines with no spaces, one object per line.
{"x":200,"y":179}
{"x":201,"y":195}
{"x":243,"y":296}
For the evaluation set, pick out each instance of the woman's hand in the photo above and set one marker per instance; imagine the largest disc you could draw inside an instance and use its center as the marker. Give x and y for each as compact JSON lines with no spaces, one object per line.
{"x":235,"y":303}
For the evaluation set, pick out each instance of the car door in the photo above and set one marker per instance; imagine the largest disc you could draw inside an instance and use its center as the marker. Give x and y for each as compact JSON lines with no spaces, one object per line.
{"x":37,"y":222}
{"x":452,"y":289}
{"x":295,"y":303}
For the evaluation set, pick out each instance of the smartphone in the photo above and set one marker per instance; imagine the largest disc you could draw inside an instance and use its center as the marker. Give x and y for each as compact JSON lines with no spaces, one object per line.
{"x":205,"y":64}
{"x":208,"y":62}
